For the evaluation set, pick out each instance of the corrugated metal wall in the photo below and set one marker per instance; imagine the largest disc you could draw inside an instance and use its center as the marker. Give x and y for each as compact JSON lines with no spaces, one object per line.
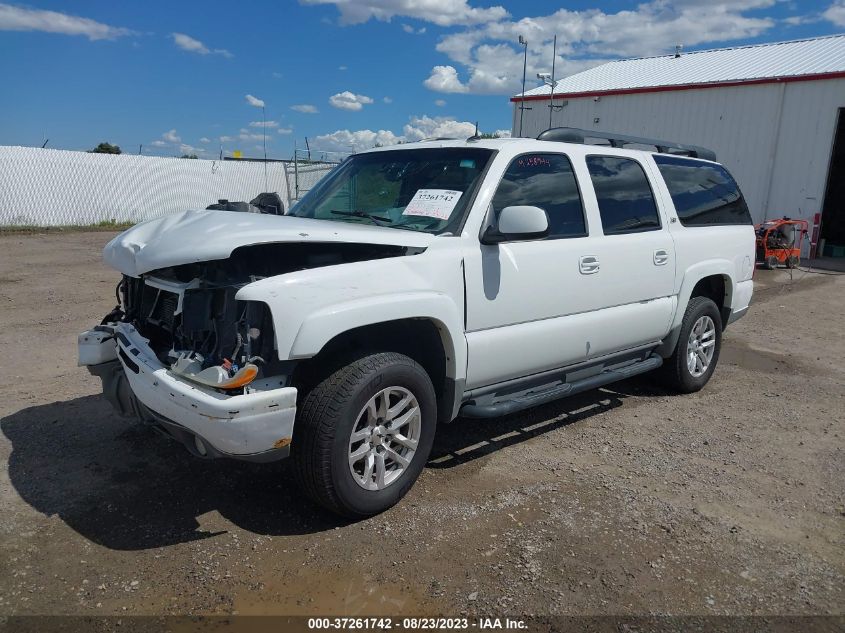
{"x":46,"y":187}
{"x":776,"y":139}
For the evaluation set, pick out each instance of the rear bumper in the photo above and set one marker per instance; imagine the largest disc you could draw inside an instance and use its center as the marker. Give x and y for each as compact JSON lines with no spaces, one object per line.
{"x":255,"y":426}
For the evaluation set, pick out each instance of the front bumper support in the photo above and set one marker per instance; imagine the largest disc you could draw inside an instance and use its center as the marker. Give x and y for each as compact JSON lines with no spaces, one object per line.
{"x":255,"y":426}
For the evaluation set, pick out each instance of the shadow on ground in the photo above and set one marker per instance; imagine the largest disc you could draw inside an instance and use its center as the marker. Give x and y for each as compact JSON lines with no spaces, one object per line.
{"x":123,"y":486}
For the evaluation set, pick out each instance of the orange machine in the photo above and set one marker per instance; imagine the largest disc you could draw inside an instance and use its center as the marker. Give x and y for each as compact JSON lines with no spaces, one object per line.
{"x":779,"y":242}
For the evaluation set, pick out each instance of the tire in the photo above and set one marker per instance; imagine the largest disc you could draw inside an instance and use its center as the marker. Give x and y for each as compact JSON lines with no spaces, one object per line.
{"x":677,"y":372}
{"x":772,"y":262}
{"x":792,"y":261}
{"x":358,"y":397}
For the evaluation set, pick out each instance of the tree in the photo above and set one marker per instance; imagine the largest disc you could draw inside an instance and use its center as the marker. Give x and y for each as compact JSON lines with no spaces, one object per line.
{"x":189,"y":156}
{"x":106,"y":148}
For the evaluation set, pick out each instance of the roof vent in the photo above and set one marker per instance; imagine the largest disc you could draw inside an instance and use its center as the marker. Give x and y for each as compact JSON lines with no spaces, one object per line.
{"x":678,"y":49}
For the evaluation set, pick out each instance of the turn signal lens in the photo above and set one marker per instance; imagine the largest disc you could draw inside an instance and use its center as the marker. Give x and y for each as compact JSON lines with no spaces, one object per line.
{"x":245,"y":375}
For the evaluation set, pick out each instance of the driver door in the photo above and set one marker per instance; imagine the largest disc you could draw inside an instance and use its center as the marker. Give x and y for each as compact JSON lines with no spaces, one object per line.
{"x":528,"y":302}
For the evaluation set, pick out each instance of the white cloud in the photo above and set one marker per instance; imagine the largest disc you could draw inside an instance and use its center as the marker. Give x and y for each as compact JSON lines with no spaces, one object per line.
{"x":188,"y":43}
{"x":503,"y":133}
{"x":254,"y":101}
{"x":417,"y":128}
{"x":171,"y":137}
{"x":158,"y":143}
{"x":184,"y":148}
{"x":388,"y":99}
{"x":306,"y":108}
{"x":285,"y":130}
{"x":444,"y":79}
{"x":492,"y":61}
{"x":440,"y":102}
{"x":249,"y":135}
{"x":420,"y":127}
{"x":440,"y":12}
{"x":205,"y":139}
{"x":226,"y":139}
{"x":349,"y":101}
{"x":835,"y":13}
{"x":263,"y":124}
{"x":344,"y":140}
{"x":277,"y":75}
{"x":14,"y":18}
{"x":343,"y":68}
{"x":410,"y":29}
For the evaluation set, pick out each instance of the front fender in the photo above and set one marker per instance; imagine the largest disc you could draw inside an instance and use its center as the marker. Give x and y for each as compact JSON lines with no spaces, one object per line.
{"x":323,"y":325}
{"x":311,"y":307}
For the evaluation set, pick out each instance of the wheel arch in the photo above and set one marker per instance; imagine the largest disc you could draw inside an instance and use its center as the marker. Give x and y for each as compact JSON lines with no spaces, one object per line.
{"x":713,"y":279}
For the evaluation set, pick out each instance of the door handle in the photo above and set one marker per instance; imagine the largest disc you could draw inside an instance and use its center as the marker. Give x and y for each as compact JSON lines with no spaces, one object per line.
{"x":660,"y":257}
{"x":588,"y":264}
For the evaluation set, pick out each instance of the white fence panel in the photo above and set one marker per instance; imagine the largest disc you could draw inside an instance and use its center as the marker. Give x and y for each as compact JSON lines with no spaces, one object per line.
{"x":47,"y":187}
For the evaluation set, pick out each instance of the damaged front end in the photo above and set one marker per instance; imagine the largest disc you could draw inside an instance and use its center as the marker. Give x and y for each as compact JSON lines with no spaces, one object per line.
{"x":196,"y":325}
{"x":180,"y":350}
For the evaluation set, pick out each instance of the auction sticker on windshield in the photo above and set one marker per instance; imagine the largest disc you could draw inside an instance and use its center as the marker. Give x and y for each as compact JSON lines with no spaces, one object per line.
{"x":433,"y":203}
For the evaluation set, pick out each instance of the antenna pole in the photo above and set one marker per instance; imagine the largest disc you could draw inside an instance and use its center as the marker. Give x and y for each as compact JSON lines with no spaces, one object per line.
{"x":552,"y":91}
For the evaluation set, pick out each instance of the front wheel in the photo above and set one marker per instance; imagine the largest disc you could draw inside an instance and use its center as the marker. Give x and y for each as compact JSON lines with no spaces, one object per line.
{"x":697,"y":352}
{"x":364,"y":433}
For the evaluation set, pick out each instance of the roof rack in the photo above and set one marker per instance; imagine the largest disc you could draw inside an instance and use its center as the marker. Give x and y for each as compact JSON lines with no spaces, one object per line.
{"x":575,"y":135}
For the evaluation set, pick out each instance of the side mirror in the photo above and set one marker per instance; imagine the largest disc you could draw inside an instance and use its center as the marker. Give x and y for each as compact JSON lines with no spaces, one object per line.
{"x":517,"y":223}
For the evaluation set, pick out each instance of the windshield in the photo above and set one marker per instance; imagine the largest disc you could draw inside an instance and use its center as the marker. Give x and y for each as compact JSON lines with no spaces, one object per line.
{"x":415,"y":189}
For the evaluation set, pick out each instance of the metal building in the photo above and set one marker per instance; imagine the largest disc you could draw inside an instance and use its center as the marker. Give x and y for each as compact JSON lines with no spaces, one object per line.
{"x":773,"y":113}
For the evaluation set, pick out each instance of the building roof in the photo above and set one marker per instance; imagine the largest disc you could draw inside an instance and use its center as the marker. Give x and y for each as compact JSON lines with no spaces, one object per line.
{"x":816,"y":58}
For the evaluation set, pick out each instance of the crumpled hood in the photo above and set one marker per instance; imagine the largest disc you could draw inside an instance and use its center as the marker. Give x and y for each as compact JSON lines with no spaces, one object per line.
{"x":199,"y":236}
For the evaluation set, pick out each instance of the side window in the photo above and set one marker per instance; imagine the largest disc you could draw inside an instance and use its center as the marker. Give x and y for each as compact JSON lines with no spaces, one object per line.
{"x":546,"y":181}
{"x":626,"y":202}
{"x":704,"y":193}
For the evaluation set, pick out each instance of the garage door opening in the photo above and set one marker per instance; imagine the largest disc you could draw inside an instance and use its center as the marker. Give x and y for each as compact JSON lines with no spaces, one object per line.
{"x":833,"y":209}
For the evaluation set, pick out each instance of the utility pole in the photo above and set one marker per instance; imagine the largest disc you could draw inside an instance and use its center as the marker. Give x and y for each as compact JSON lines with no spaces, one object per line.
{"x":524,"y":43}
{"x":552,"y":90}
{"x":264,"y":139}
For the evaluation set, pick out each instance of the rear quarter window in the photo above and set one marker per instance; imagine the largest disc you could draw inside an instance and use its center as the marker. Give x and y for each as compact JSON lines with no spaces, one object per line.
{"x":704,"y":194}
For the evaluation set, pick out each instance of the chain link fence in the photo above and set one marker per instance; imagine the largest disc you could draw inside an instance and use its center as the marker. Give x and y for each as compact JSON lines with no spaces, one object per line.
{"x":308,"y":167}
{"x":48,"y":187}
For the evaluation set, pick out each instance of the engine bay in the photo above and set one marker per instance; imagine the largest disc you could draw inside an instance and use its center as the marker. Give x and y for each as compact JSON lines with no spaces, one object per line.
{"x":197,"y":327}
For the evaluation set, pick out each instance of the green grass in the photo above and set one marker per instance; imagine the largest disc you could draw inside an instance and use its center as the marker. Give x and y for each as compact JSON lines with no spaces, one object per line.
{"x":27,"y":229}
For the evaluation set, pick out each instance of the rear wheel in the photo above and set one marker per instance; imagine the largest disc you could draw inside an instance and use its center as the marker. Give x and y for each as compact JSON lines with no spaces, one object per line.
{"x":792,"y":261}
{"x":772,"y":262}
{"x":697,"y":352}
{"x":364,"y":433}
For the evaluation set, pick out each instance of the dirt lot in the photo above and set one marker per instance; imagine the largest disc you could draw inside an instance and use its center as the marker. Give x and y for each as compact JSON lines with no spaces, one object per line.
{"x":625,"y":500}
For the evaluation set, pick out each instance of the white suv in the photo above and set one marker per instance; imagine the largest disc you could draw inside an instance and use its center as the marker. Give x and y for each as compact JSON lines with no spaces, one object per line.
{"x":418,"y":283}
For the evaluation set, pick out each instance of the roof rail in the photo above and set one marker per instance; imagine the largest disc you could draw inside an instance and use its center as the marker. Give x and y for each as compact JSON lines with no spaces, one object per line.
{"x":575,"y":135}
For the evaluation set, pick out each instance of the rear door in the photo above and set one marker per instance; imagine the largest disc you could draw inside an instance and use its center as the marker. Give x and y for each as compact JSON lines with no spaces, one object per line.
{"x":635,"y":259}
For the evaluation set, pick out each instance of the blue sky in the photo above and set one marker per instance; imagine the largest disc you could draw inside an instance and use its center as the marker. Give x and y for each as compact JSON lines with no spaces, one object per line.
{"x":174,"y":76}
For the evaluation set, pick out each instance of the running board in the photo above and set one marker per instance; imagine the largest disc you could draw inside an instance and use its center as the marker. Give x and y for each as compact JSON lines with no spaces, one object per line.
{"x":505,"y":407}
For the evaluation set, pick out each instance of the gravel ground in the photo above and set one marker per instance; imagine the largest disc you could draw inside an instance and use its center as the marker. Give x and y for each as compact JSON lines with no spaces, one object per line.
{"x":624,"y":500}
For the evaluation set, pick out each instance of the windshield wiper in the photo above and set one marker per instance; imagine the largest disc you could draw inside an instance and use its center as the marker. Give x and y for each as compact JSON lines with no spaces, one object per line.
{"x":361,"y":214}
